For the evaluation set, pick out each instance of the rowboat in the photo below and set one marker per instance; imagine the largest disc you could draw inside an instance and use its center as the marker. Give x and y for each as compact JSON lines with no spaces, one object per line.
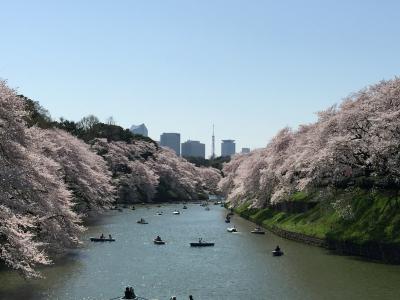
{"x":142,"y":221}
{"x":176,"y":212}
{"x":277,"y":253}
{"x":93,"y":239}
{"x":257,"y":231}
{"x":231,"y":229}
{"x":201,"y":244}
{"x":158,"y":242}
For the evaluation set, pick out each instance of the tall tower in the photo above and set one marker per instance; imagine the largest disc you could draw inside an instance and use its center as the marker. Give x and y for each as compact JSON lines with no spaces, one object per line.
{"x":213,"y":145}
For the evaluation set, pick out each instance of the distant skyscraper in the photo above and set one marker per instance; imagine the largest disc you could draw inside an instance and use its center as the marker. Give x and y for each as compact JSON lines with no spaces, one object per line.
{"x":139,"y":129}
{"x":193,"y":149}
{"x":228,"y":147}
{"x":245,"y":150}
{"x":172,"y":141}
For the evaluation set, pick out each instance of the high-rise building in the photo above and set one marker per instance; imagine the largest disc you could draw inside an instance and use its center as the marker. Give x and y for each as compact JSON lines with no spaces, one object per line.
{"x":139,"y":129}
{"x":228,"y":147}
{"x":193,"y":149}
{"x":172,"y":141}
{"x":245,"y":150}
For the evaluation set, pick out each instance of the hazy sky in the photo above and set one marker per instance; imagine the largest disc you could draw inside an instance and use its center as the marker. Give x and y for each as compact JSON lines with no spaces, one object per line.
{"x":249,"y":67}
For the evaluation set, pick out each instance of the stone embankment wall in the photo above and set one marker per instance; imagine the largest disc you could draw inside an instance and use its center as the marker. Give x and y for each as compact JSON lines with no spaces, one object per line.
{"x":299,"y":237}
{"x":388,"y":253}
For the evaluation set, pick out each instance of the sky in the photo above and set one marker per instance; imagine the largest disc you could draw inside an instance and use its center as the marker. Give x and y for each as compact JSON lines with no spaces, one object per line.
{"x":249,"y":67}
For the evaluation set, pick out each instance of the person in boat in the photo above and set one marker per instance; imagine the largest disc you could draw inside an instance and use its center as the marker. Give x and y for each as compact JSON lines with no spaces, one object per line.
{"x":132,"y":292}
{"x":158,"y":238}
{"x":129,"y":293}
{"x":110,"y":237}
{"x":277,"y":249}
{"x":190,"y":297}
{"x":102,"y":236}
{"x":200,"y":240}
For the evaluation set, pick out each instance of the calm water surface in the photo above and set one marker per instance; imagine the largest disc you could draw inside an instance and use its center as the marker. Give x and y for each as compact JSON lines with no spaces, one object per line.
{"x":240,"y":266}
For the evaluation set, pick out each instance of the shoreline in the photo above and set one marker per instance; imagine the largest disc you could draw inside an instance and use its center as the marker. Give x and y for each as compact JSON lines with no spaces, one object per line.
{"x":387,"y":253}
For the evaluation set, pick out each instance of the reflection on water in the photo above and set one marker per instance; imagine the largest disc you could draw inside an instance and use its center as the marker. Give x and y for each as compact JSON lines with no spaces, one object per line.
{"x":240,"y":266}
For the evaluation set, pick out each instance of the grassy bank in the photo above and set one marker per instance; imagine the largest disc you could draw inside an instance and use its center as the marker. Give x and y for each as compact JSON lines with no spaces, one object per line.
{"x":370,"y":217}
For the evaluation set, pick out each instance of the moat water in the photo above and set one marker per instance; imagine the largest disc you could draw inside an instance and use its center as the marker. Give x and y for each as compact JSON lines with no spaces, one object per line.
{"x":239,"y":266}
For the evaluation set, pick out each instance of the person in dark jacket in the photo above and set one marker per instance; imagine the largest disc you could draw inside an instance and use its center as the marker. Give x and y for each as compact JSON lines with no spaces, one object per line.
{"x":129,"y":293}
{"x":132,"y":293}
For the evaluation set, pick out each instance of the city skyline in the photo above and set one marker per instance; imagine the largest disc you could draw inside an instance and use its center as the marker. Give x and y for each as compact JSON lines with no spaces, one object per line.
{"x":208,"y":146}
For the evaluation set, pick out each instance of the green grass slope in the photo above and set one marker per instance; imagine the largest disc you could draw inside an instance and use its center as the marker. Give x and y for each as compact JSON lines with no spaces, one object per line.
{"x":375,"y":217}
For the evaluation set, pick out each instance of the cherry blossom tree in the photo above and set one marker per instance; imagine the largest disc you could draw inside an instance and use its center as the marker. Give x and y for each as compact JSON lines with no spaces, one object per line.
{"x":360,"y":138}
{"x":210,"y":178}
{"x":50,"y":179}
{"x":143,"y":172}
{"x":135,"y":179}
{"x":85,"y":173}
{"x":179,"y":176}
{"x":35,"y":205}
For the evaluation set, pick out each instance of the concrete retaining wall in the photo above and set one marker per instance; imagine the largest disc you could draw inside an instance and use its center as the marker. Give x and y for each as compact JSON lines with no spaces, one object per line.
{"x":299,"y":237}
{"x":388,"y":253}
